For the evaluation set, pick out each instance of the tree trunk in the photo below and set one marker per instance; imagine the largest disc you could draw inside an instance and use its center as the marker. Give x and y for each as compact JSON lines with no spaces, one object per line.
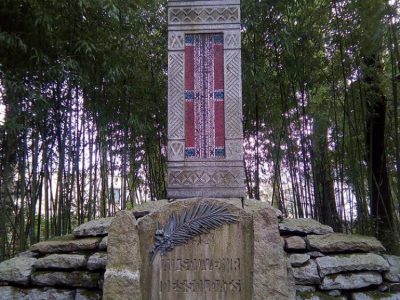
{"x":324,"y":192}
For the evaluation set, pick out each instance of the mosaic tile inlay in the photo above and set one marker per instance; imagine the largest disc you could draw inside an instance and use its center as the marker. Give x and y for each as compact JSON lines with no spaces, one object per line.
{"x":204,"y":96}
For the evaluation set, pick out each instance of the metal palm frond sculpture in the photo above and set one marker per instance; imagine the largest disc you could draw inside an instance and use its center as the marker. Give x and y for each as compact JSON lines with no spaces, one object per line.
{"x":199,"y":219}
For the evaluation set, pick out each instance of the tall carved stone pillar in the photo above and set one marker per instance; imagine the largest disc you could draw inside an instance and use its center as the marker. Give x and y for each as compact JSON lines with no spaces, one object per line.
{"x":205,"y":134}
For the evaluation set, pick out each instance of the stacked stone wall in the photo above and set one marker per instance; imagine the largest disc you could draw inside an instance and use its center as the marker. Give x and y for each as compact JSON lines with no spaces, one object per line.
{"x":69,"y":267}
{"x":328,"y":265}
{"x":324,"y":265}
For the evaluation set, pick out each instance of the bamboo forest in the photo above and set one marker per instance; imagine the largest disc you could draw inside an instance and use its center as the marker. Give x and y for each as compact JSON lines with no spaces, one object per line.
{"x":83,"y":112}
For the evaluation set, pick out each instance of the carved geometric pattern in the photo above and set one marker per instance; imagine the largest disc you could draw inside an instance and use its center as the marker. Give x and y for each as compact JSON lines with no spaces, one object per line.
{"x":204,"y":178}
{"x":176,"y":40}
{"x":232,"y":39}
{"x":175,"y":95}
{"x":196,"y":15}
{"x":233,"y":94}
{"x":234,"y":149}
{"x":176,"y":150}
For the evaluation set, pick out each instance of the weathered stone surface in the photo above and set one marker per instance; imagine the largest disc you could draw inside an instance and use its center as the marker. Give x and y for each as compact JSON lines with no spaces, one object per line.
{"x":61,"y":261}
{"x":334,"y":293}
{"x":122,"y":275}
{"x":103,"y":243}
{"x":80,"y":279}
{"x":394,"y":287}
{"x":27,"y":254}
{"x":82,"y":294}
{"x":15,"y":293}
{"x":307,"y":274}
{"x":314,"y":254}
{"x":351,"y":281}
{"x":351,"y":262}
{"x":97,"y":261}
{"x":270,"y":277}
{"x":393,"y":275}
{"x":375,"y":296}
{"x":337,"y":242}
{"x":215,"y":257}
{"x":295,"y":243}
{"x":297,"y":260}
{"x":66,"y":244}
{"x":303,"y":226}
{"x":317,"y":296}
{"x":305,"y":288}
{"x":17,"y":270}
{"x":93,"y":228}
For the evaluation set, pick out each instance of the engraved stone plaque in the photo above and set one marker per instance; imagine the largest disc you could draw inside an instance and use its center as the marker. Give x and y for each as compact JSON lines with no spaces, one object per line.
{"x":205,"y":99}
{"x":199,"y":248}
{"x":214,"y":265}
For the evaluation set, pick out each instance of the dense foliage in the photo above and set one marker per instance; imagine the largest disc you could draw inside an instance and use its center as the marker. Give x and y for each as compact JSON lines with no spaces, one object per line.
{"x":83,"y":88}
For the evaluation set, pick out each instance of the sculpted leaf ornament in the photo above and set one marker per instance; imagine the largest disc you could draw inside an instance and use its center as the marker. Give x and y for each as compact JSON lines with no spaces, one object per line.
{"x":180,"y":229}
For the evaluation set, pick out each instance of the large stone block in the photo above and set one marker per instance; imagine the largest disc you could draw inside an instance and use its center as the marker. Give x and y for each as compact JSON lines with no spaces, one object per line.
{"x":61,"y":261}
{"x":66,"y":244}
{"x":393,"y":275}
{"x":295,"y":243}
{"x":80,"y":279}
{"x":307,"y":274}
{"x":351,"y":281}
{"x":15,"y":293}
{"x":93,"y":228}
{"x":122,"y":277}
{"x":338,"y":242}
{"x":97,"y":261}
{"x":353,"y":262}
{"x":17,"y":270}
{"x":298,"y":259}
{"x":242,"y":260}
{"x":303,"y":227}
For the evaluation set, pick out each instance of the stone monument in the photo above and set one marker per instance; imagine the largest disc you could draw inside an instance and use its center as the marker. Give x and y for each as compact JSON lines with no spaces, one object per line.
{"x":200,"y":247}
{"x":205,"y":135}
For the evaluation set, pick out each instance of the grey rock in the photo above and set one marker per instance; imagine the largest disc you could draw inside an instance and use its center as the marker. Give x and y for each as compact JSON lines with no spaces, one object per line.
{"x":80,"y":279}
{"x":393,"y":287}
{"x":297,"y":260}
{"x":314,"y":254}
{"x":317,"y":296}
{"x":295,"y":243}
{"x":83,"y":294}
{"x":353,"y":262}
{"x":351,"y":281}
{"x":338,"y":242}
{"x":97,"y":261}
{"x":66,"y":244}
{"x":61,"y":261}
{"x":305,"y":288}
{"x":93,"y":228}
{"x":103,"y":243}
{"x":303,"y":226}
{"x":17,"y":270}
{"x":383,"y":288}
{"x":393,"y":275}
{"x":334,"y":293}
{"x":374,"y":295}
{"x":307,"y":274}
{"x":14,"y":293}
{"x":27,"y":254}
{"x":122,"y":276}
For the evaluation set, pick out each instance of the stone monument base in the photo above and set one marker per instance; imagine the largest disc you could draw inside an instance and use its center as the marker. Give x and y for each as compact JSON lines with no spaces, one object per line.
{"x":197,"y":248}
